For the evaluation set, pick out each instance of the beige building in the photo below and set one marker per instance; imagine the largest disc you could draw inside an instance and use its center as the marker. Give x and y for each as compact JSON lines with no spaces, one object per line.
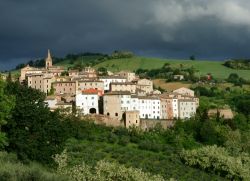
{"x":132,"y":118}
{"x":112,"y":104}
{"x":40,"y":81}
{"x":145,"y":85}
{"x":90,"y":84}
{"x":123,"y":86}
{"x":64,"y":87}
{"x":167,"y":107}
{"x":130,"y":76}
{"x":28,"y":70}
{"x":73,"y":73}
{"x":224,"y":113}
{"x":184,"y":91}
{"x":187,"y":108}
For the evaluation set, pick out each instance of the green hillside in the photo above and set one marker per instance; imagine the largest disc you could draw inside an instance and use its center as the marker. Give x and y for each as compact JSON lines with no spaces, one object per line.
{"x":216,"y":68}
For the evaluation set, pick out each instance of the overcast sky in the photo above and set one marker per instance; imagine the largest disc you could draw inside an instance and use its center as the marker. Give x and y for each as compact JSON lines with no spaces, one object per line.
{"x":209,"y":29}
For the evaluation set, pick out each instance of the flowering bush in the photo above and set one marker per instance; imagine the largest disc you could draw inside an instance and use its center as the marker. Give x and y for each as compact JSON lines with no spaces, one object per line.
{"x":103,"y":171}
{"x":218,"y":159}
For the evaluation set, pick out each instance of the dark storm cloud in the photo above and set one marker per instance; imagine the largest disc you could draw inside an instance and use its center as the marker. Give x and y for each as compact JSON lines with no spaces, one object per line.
{"x":166,"y":28}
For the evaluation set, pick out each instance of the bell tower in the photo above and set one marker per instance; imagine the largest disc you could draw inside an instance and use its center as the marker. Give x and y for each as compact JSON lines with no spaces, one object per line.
{"x":48,"y":61}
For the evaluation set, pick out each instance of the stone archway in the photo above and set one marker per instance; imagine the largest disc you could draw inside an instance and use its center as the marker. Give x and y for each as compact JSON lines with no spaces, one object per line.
{"x":92,"y":111}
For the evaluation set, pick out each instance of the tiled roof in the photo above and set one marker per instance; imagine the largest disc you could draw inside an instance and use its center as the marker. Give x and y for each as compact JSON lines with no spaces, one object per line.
{"x":91,"y":91}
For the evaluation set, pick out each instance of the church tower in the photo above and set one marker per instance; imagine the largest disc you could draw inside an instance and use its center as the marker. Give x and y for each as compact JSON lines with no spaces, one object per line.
{"x":48,"y":61}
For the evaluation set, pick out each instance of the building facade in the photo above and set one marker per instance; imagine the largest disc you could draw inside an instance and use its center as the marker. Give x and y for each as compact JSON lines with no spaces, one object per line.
{"x":123,"y":86}
{"x":109,"y":79}
{"x":88,"y":102}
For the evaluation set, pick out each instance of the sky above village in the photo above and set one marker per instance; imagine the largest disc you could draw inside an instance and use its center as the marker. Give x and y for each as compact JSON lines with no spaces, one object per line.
{"x":208,"y":29}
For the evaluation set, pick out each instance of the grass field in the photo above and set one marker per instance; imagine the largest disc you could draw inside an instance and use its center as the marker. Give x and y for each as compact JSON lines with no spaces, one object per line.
{"x":214,"y":67}
{"x":170,"y":86}
{"x":203,"y":67}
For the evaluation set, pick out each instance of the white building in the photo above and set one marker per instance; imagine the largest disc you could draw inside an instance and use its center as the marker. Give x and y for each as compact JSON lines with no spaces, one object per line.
{"x":149,"y":108}
{"x":88,"y":101}
{"x":107,"y":80}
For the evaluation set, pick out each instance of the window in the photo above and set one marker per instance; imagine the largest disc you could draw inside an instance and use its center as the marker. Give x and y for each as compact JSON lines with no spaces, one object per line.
{"x":108,"y":114}
{"x":116,"y":114}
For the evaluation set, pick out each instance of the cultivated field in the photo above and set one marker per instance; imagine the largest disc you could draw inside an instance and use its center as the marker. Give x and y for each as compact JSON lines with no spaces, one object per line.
{"x":170,"y":86}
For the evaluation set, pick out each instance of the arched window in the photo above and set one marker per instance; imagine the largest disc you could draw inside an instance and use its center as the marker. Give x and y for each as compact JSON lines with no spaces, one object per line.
{"x":108,"y":114}
{"x":116,"y":114}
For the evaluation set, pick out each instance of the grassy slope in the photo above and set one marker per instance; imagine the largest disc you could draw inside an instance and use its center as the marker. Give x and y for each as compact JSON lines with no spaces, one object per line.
{"x":204,"y":67}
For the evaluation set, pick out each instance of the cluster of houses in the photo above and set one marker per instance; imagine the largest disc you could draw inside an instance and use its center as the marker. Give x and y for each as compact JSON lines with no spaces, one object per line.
{"x":117,"y":96}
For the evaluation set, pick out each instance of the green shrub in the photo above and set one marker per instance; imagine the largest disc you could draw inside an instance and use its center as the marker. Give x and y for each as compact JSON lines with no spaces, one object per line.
{"x":218,"y":160}
{"x":12,"y":170}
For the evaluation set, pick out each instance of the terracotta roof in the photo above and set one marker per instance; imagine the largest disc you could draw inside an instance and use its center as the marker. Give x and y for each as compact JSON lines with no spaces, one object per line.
{"x":92,"y":91}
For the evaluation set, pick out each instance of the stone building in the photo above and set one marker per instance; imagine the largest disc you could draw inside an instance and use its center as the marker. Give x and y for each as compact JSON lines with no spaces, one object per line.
{"x":90,"y":84}
{"x":40,"y":81}
{"x":64,"y":87}
{"x":184,"y":91}
{"x":187,"y":108}
{"x":112,"y":104}
{"x":123,"y":86}
{"x":145,"y":85}
{"x":28,"y":70}
{"x":167,"y":107}
{"x":130,"y":76}
{"x":132,"y":118}
{"x":223,"y":113}
{"x":109,"y":79}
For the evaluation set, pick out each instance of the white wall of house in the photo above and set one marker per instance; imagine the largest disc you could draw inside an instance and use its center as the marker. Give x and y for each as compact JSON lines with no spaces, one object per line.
{"x":187,"y":109}
{"x":51,"y":103}
{"x":85,"y":102}
{"x":149,"y":108}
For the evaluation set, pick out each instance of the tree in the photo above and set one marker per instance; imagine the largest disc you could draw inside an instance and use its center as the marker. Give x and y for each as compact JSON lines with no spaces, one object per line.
{"x":33,"y":131}
{"x":192,"y":57}
{"x":6,"y":104}
{"x":102,"y":71}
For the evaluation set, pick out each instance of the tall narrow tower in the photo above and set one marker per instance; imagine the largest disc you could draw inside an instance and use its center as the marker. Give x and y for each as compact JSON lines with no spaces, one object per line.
{"x":48,"y":61}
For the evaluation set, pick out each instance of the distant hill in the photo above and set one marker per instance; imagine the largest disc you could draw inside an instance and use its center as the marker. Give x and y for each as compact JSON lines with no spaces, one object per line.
{"x":115,"y":63}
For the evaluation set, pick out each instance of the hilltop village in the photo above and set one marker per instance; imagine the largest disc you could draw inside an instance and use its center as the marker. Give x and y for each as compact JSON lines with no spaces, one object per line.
{"x":109,"y":99}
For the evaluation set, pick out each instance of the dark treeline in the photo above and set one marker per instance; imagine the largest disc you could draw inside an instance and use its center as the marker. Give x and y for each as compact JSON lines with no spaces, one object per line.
{"x":243,"y":64}
{"x":88,"y":57}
